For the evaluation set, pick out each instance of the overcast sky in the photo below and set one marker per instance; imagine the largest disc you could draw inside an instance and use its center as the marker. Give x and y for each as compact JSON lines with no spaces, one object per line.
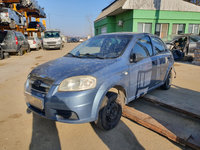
{"x":72,"y":17}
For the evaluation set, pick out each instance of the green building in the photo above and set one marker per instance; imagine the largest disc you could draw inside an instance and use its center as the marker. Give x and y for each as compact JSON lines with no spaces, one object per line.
{"x":160,"y":17}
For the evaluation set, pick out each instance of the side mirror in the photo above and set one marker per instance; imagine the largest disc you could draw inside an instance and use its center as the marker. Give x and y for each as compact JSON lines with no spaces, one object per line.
{"x":135,"y":57}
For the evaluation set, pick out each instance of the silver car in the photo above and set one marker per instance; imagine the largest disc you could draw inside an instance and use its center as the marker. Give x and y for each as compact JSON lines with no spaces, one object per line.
{"x":11,"y":18}
{"x":34,"y":43}
{"x":98,"y":77}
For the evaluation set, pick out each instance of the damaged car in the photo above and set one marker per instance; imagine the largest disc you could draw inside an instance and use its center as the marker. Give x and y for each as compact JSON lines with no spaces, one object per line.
{"x":182,"y":45}
{"x":96,"y":79}
{"x":11,"y":18}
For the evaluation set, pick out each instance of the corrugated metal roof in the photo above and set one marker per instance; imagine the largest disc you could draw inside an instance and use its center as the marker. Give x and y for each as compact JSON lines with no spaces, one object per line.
{"x":172,"y":5}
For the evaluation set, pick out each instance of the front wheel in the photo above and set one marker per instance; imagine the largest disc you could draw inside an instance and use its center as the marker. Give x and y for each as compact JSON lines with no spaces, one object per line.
{"x":110,"y":112}
{"x":20,"y":52}
{"x":168,"y":82}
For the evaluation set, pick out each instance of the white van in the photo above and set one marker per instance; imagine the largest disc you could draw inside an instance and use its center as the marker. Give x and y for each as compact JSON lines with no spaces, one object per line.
{"x":52,"y":40}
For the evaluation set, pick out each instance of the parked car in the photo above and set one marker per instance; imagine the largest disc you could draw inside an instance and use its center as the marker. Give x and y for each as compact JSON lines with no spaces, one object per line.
{"x":73,"y":40}
{"x":34,"y":43}
{"x":11,"y":18}
{"x":37,"y":25}
{"x":12,"y":41}
{"x":52,"y":40}
{"x":183,"y":44}
{"x":95,"y":80}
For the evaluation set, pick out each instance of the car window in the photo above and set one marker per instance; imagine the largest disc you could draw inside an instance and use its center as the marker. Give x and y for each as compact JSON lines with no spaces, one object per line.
{"x":194,"y":38}
{"x":146,"y":43}
{"x":140,"y":49}
{"x":104,"y":46}
{"x":158,"y":45}
{"x":2,"y":36}
{"x":9,"y":36}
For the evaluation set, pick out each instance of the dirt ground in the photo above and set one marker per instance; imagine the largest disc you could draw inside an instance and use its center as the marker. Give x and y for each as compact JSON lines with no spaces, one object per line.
{"x":20,"y":130}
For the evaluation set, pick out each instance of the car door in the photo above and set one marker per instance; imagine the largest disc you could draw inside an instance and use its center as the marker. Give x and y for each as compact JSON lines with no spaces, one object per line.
{"x":140,"y":70}
{"x":162,"y":56}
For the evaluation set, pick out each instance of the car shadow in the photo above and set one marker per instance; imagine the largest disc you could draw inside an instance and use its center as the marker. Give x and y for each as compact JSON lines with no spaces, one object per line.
{"x":44,"y":134}
{"x":121,"y":137}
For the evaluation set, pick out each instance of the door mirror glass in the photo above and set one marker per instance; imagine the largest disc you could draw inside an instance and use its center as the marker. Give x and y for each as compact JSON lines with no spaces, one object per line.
{"x":136,"y":57}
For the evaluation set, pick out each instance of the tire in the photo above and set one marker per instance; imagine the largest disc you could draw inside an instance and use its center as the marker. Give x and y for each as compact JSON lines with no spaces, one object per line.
{"x":28,"y":50}
{"x":168,"y":82}
{"x":1,"y":55}
{"x":38,"y":48}
{"x":20,"y":52}
{"x":60,"y":47}
{"x":12,"y":25}
{"x":110,"y":112}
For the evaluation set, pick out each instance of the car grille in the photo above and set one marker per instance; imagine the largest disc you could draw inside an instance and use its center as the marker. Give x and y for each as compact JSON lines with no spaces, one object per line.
{"x":51,"y":43}
{"x":39,"y":85}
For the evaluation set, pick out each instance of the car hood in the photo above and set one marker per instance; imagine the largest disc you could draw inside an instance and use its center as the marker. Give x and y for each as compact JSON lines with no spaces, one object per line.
{"x":65,"y":67}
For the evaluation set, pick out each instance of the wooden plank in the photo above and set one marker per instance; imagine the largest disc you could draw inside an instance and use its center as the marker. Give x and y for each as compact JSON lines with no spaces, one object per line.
{"x":150,"y":123}
{"x":160,"y":102}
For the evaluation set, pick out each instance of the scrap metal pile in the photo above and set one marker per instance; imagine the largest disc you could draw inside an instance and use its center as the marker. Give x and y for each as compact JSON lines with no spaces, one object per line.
{"x":34,"y":8}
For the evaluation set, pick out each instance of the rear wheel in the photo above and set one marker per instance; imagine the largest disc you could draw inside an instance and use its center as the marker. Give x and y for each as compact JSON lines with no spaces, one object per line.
{"x":28,"y":50}
{"x":110,"y":112}
{"x":168,"y":82}
{"x":20,"y":52}
{"x":1,"y":54}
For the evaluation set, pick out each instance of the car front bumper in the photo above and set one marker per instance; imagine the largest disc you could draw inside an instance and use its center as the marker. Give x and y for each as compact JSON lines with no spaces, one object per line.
{"x":46,"y":46}
{"x":67,"y":107}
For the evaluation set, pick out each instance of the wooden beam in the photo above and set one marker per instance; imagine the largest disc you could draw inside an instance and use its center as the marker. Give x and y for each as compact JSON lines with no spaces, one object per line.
{"x":150,"y":123}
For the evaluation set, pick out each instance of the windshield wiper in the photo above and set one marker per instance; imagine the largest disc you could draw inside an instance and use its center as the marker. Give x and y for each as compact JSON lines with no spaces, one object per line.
{"x":91,"y":56}
{"x":72,"y":55}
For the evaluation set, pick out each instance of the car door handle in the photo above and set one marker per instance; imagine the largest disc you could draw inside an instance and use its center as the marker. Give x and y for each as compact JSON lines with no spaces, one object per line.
{"x":154,"y":62}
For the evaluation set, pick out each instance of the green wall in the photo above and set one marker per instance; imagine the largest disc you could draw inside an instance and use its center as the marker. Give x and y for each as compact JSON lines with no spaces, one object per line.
{"x":170,"y":17}
{"x":131,"y":18}
{"x":111,"y":22}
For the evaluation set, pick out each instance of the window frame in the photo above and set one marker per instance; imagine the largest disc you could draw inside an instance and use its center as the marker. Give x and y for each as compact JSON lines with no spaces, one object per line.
{"x":147,"y":52}
{"x":155,"y":52}
{"x":143,"y":26}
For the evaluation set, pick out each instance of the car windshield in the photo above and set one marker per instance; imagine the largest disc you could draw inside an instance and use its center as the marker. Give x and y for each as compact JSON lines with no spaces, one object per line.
{"x":2,"y":36}
{"x":52,"y":34}
{"x":103,"y":46}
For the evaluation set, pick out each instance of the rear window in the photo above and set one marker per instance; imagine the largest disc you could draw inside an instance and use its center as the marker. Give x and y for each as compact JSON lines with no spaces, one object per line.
{"x":2,"y":36}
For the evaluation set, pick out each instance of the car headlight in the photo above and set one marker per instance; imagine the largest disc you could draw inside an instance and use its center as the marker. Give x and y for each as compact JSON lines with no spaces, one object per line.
{"x":78,"y":83}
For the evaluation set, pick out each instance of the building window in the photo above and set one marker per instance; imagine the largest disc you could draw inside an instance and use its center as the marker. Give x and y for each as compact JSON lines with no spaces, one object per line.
{"x":178,"y":28}
{"x":103,"y":30}
{"x":162,"y":30}
{"x":144,"y":27}
{"x":194,"y":28}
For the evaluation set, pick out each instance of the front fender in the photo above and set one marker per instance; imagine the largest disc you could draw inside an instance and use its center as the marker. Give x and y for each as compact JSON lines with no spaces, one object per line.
{"x":109,"y":83}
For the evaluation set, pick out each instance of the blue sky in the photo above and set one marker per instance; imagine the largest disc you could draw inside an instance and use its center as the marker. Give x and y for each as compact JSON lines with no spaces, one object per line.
{"x":72,"y":17}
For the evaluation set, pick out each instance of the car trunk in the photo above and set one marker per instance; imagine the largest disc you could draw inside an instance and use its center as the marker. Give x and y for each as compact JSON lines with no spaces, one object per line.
{"x":30,"y":40}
